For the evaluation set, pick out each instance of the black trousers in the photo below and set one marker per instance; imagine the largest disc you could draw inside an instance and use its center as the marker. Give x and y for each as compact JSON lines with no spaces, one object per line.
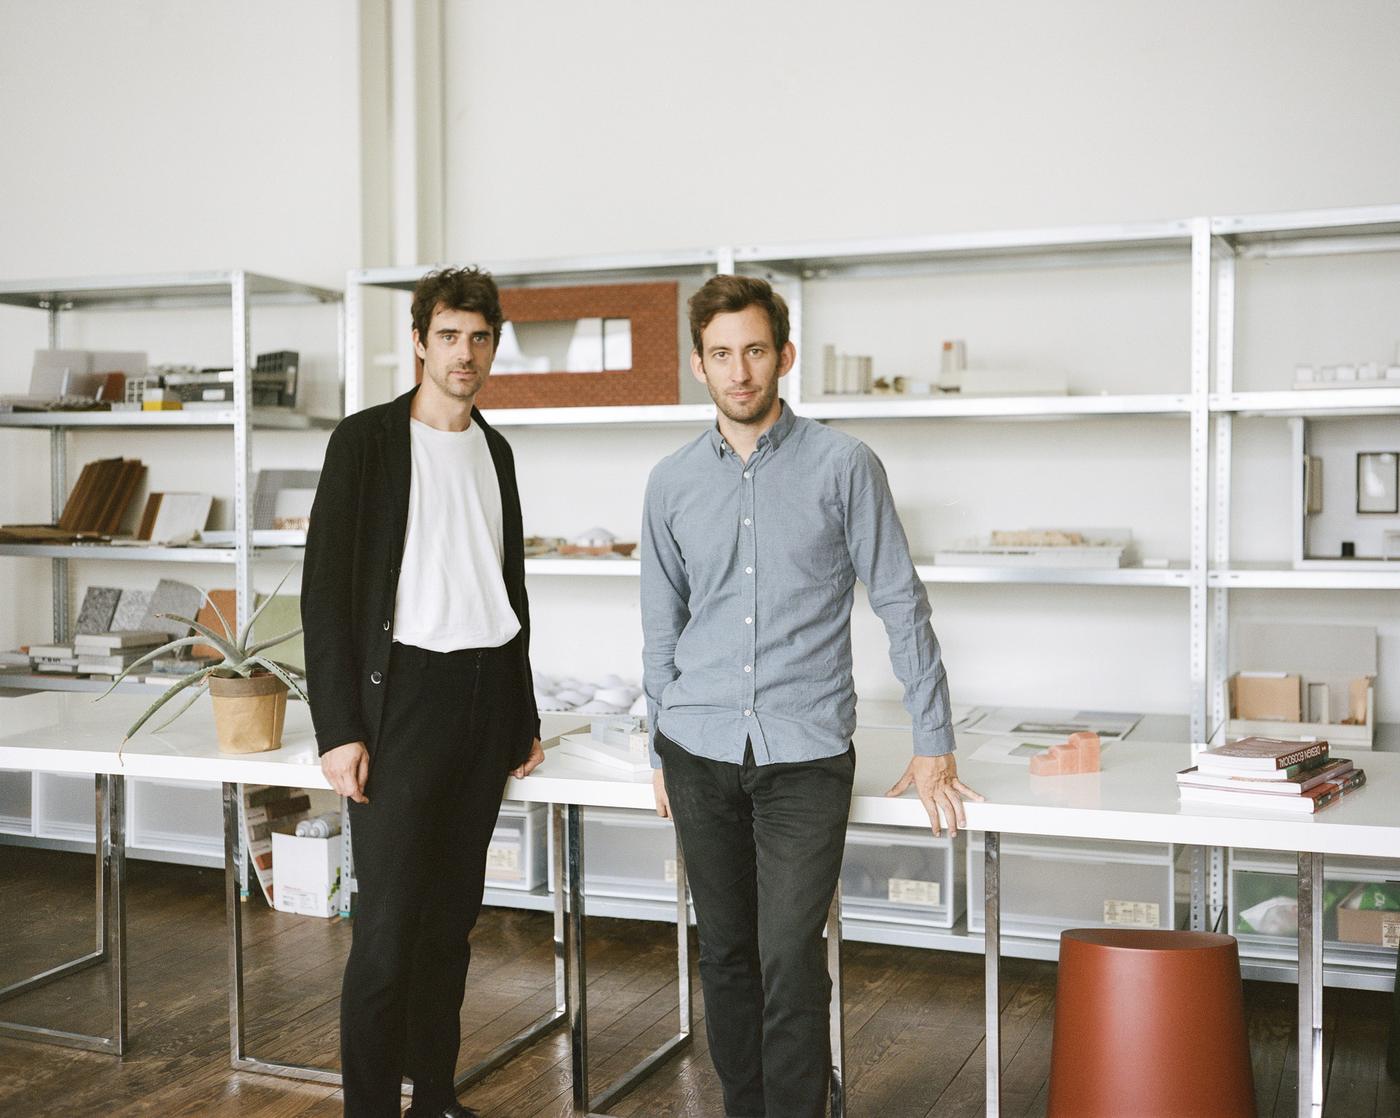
{"x":420,"y":862}
{"x":763,"y":847}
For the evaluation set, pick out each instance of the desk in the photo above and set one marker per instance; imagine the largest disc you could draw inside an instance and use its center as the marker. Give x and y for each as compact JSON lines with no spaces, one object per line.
{"x":62,"y":732}
{"x":1133,"y":799}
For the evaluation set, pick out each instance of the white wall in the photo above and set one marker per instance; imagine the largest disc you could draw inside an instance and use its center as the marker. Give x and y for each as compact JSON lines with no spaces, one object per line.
{"x":189,"y":135}
{"x":169,"y":136}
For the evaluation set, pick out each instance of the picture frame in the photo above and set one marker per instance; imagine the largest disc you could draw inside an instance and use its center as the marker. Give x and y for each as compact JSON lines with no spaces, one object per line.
{"x":1378,"y":483}
{"x":652,"y":310}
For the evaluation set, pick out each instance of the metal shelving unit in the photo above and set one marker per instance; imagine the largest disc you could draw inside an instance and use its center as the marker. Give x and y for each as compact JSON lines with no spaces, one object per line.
{"x":1209,"y":247}
{"x":236,"y":291}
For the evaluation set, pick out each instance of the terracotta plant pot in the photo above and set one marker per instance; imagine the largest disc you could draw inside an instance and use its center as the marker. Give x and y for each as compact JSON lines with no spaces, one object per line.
{"x":248,"y":713}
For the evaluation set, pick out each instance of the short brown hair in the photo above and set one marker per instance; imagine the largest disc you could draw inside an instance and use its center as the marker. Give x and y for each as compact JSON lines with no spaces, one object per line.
{"x":725,"y":294}
{"x":457,"y":289}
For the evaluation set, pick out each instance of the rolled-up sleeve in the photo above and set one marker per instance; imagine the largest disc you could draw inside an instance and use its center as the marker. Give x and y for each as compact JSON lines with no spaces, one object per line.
{"x":880,"y":555}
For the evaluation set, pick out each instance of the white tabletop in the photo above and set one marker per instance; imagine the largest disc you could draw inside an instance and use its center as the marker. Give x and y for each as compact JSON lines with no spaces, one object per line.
{"x":1134,"y":798}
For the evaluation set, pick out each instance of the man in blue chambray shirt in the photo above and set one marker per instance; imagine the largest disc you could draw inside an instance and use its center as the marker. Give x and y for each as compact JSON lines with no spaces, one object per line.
{"x":753,"y":537}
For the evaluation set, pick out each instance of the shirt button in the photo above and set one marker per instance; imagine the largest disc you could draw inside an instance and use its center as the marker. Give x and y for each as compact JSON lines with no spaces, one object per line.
{"x":748,"y":621}
{"x":748,"y":474}
{"x":748,"y":570}
{"x":748,"y":714}
{"x":386,"y":626}
{"x":747,"y":668}
{"x":375,"y":677}
{"x":747,"y":521}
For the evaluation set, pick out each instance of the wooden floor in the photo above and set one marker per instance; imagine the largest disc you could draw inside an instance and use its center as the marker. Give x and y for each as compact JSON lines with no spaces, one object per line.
{"x":913,"y":1018}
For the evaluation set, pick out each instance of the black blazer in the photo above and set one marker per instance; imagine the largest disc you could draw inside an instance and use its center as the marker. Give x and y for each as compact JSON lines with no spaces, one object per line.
{"x":350,"y":580}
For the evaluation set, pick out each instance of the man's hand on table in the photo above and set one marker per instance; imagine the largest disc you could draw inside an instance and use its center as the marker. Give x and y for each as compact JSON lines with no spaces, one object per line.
{"x":532,"y":762}
{"x":936,"y":779}
{"x":347,"y":769}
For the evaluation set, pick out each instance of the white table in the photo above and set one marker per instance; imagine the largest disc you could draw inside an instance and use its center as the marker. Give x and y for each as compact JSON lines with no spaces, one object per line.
{"x":65,"y":732}
{"x":1133,"y":799}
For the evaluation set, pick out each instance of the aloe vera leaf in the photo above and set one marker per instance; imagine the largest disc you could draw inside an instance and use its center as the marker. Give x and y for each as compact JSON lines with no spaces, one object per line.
{"x":175,"y":689}
{"x":225,"y":647}
{"x":161,"y":651}
{"x":248,"y":628}
{"x":255,"y":649}
{"x":228,"y":629}
{"x":198,"y":691}
{"x":286,"y":677}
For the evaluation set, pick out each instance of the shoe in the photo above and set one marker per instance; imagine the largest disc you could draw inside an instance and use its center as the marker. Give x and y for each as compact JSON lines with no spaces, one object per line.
{"x":451,"y":1110}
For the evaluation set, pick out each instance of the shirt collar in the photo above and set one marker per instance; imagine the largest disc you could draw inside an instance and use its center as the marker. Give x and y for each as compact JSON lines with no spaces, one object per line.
{"x":774,"y":435}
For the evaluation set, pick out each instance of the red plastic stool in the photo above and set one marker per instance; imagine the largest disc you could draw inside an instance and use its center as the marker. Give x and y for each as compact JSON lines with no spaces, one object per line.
{"x":1149,"y":1024}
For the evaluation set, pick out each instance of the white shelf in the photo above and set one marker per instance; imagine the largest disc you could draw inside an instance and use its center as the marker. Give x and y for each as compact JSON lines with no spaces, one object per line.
{"x":274,"y":419}
{"x":149,"y":554}
{"x":642,"y":415}
{"x":1270,"y":576}
{"x":610,"y":267}
{"x":1178,"y":575}
{"x":994,"y":407}
{"x":555,"y":565}
{"x":1122,"y":243}
{"x":1311,"y":401}
{"x":186,"y":289}
{"x":42,"y":681}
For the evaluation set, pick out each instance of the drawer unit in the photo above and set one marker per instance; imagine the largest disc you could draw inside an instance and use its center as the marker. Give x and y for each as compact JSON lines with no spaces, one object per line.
{"x":901,"y":876}
{"x":1048,"y":885}
{"x":515,"y":858}
{"x":16,"y":803}
{"x":627,"y":854}
{"x":1263,"y":910}
{"x":175,"y":816}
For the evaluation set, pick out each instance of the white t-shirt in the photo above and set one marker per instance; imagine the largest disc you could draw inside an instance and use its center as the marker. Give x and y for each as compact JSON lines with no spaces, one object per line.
{"x":452,"y":593}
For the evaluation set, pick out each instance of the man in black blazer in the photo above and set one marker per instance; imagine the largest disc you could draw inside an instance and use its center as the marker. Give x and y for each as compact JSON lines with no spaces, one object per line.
{"x":418,"y":666}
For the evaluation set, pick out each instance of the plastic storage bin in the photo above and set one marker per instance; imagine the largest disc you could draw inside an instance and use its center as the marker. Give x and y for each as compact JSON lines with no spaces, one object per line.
{"x":176,"y":816}
{"x":16,"y":803}
{"x":515,"y":858}
{"x":630,"y":855}
{"x":901,"y":876}
{"x":66,"y":806}
{"x":1268,"y":930}
{"x":1048,"y":885}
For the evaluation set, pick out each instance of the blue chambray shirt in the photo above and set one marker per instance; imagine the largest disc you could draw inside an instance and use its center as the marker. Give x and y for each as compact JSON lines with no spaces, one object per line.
{"x":748,"y":574}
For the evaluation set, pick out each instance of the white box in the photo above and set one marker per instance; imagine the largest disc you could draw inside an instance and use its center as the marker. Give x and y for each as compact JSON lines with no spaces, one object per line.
{"x":306,"y":875}
{"x":515,"y":857}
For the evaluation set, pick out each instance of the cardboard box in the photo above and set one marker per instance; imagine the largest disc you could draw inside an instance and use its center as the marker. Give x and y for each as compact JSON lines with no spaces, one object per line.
{"x":1377,"y":926}
{"x":1266,"y":697}
{"x":306,"y":875}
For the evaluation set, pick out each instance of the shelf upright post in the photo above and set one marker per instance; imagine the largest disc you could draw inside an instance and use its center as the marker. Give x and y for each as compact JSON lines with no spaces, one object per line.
{"x":352,"y":317}
{"x":58,"y":483}
{"x":1201,"y":276}
{"x":242,"y":398}
{"x":1218,"y":661}
{"x":1200,"y":465}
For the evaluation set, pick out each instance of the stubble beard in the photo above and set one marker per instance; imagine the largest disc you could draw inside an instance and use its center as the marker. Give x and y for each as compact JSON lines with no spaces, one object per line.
{"x":754,"y":411}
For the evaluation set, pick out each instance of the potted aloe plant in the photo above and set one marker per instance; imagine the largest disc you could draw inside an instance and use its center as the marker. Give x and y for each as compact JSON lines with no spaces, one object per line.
{"x":249,"y":689}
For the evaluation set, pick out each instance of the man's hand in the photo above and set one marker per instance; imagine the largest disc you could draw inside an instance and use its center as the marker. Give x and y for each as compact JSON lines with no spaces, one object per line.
{"x":936,"y":779}
{"x":347,"y":768}
{"x":532,"y":762}
{"x":658,"y":789}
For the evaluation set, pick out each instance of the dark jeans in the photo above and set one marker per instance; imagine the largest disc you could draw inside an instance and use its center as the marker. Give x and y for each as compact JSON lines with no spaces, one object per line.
{"x":763,"y":847}
{"x":420,"y":862}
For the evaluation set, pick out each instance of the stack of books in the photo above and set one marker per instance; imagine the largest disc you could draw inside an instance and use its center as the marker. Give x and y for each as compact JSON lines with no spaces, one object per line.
{"x":112,"y":653}
{"x":1267,"y":773}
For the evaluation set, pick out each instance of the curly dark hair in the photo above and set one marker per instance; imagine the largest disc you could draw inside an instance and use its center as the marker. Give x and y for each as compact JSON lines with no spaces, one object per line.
{"x":457,"y":289}
{"x":725,"y":294}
